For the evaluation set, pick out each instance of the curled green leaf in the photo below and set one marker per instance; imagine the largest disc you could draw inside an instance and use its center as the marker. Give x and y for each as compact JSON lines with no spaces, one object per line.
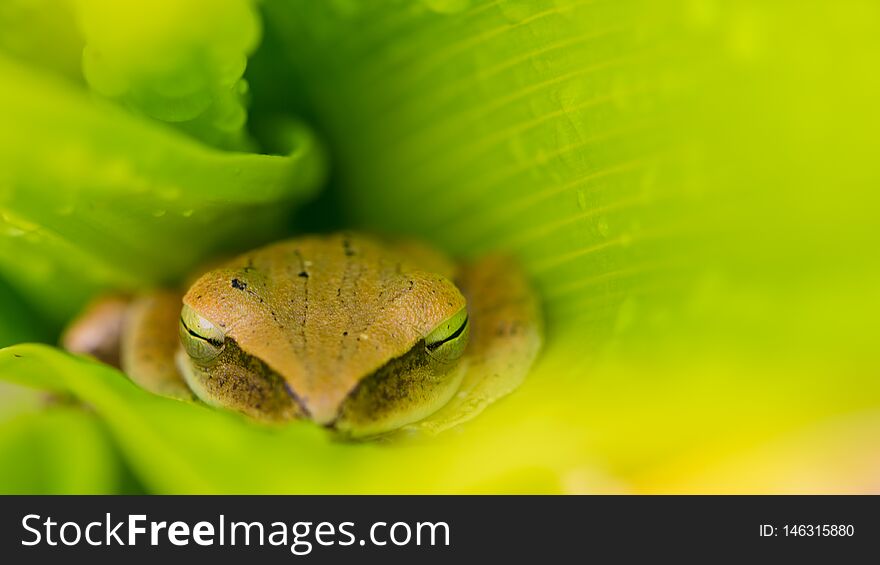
{"x":91,"y":197}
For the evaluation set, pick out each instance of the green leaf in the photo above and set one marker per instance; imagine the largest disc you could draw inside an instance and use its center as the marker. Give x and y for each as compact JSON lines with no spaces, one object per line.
{"x":26,"y":25}
{"x":62,"y":450}
{"x":92,"y":198}
{"x":19,"y":323}
{"x":176,"y":61}
{"x":179,"y":447}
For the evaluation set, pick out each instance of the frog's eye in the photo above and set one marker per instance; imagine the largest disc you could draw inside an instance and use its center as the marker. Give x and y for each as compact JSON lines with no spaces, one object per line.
{"x":202,"y":340}
{"x":448,"y":340}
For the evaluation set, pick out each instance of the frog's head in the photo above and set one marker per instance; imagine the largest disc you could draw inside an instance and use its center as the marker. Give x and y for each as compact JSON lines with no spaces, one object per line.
{"x":342,"y":330}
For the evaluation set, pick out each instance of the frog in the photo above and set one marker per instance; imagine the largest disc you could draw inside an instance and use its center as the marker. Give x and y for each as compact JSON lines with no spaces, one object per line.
{"x":364,"y":335}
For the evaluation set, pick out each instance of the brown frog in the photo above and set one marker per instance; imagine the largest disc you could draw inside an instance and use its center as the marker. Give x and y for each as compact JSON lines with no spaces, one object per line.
{"x":355,"y":333}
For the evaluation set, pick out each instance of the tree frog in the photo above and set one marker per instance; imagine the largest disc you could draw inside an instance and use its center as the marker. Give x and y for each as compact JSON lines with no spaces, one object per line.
{"x":359,"y":334}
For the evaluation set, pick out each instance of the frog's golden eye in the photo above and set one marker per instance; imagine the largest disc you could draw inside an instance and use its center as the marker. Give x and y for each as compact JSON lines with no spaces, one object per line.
{"x":202,"y":340}
{"x":447,"y":342}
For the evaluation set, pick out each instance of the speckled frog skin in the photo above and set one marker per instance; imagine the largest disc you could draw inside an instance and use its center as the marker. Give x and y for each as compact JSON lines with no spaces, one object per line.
{"x":355,"y":333}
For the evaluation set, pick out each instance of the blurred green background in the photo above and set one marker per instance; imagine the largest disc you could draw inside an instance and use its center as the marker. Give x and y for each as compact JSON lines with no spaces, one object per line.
{"x":692,"y":184}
